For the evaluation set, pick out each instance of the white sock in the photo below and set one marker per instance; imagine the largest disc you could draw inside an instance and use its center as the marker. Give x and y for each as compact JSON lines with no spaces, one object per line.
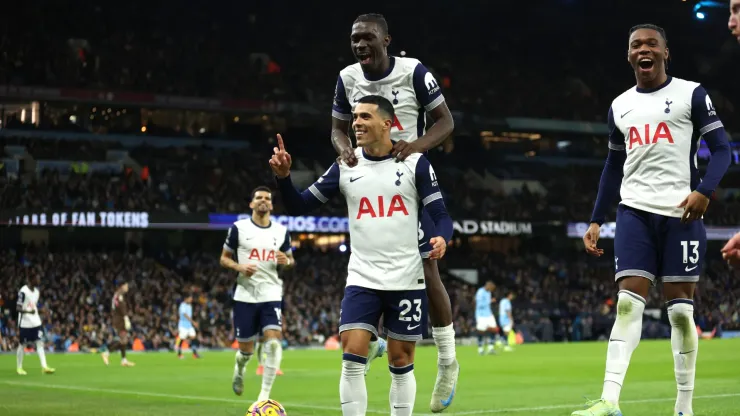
{"x":240,"y":361}
{"x":272,"y":364}
{"x":403,"y":390}
{"x":352,"y":389}
{"x":624,"y":338}
{"x":19,"y":356}
{"x":258,"y":350}
{"x":685,"y":346}
{"x":41,"y":353}
{"x":444,"y":338}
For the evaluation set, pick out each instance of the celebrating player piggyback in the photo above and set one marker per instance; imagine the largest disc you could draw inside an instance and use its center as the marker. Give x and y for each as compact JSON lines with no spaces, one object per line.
{"x":385,"y":274}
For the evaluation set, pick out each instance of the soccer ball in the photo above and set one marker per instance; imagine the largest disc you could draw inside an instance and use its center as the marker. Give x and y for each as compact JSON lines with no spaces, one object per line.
{"x":267,"y":407}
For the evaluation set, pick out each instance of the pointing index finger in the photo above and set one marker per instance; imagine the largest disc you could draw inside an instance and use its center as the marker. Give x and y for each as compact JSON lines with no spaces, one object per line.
{"x":281,"y":145}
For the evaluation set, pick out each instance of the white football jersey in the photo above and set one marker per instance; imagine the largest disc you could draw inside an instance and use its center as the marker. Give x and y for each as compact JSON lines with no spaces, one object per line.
{"x":384,"y":199}
{"x":252,"y":243}
{"x":661,"y":129}
{"x":29,"y":299}
{"x":407,"y":84}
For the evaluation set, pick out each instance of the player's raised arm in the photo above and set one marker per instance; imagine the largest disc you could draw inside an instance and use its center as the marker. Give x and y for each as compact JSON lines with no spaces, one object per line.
{"x":299,"y":203}
{"x":611,"y":181}
{"x":341,"y":117}
{"x":431,"y":196}
{"x":429,"y":94}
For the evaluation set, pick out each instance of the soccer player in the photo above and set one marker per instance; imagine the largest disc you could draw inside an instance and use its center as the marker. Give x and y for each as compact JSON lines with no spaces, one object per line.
{"x":255,"y":248}
{"x":186,"y":327}
{"x":655,"y":130}
{"x":506,"y":318}
{"x":385,"y":272}
{"x":31,"y":331}
{"x":121,"y":324}
{"x":734,"y":23}
{"x":485,"y":322}
{"x":414,"y":93}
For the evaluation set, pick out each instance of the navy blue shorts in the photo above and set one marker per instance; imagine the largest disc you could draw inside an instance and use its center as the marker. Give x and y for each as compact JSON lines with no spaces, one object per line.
{"x":404,"y":312}
{"x":29,"y":335}
{"x":426,"y":232}
{"x":655,"y":246}
{"x":252,"y":319}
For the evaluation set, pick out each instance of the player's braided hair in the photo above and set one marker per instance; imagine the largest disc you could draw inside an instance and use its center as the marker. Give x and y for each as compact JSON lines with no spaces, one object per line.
{"x":376,"y":18}
{"x":652,"y":27}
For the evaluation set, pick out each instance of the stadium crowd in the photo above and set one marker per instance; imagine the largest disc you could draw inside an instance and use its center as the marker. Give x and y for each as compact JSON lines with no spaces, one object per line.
{"x":202,"y":53}
{"x":557,"y":299}
{"x":207,"y":180}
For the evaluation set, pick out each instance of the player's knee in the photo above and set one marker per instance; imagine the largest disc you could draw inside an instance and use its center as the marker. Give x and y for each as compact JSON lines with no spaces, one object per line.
{"x":629,"y":304}
{"x":246,"y":347}
{"x":356,"y":342}
{"x":400,"y":353}
{"x":681,"y":314}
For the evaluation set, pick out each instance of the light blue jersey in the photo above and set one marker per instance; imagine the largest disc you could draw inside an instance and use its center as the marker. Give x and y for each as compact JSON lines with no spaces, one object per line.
{"x":504,"y":308}
{"x":483,"y":304}
{"x":185,"y":309}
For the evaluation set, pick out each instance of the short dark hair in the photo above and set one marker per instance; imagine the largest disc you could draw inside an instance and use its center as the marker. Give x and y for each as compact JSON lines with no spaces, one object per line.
{"x":384,"y":106}
{"x":260,"y":188}
{"x":651,"y":27}
{"x":376,"y":18}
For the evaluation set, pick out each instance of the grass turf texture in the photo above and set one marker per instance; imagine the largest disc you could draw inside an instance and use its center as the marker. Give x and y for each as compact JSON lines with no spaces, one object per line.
{"x":545,"y":379}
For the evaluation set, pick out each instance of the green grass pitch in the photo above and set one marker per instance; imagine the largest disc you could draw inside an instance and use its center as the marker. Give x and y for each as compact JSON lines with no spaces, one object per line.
{"x":544,"y":379}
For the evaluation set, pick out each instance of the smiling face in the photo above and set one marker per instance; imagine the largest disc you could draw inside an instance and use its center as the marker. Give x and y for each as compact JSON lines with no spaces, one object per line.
{"x":648,"y":55}
{"x":369,"y":124}
{"x":369,"y":45}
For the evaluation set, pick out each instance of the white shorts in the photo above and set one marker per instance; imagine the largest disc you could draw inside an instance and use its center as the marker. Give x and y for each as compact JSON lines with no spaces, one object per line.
{"x":482,"y":324}
{"x":507,"y":328}
{"x":185,"y":333}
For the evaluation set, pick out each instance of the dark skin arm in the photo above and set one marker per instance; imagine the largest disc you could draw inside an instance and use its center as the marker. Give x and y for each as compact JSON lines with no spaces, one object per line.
{"x":341,"y":142}
{"x":435,"y":136}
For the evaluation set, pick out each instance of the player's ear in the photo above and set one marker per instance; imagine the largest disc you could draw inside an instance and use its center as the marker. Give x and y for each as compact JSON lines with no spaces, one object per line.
{"x":387,"y":40}
{"x":667,"y":54}
{"x":387,"y":124}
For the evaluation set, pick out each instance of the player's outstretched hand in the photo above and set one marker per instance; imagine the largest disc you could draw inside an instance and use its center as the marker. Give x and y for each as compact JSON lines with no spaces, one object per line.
{"x":403,"y":149}
{"x":348,"y":157}
{"x":694,"y":207}
{"x":280,"y":161}
{"x":731,"y":251}
{"x":247,"y":269}
{"x":591,"y":238}
{"x":439,"y":247}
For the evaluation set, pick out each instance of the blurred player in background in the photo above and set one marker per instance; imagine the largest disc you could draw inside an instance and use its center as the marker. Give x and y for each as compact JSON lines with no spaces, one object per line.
{"x":485,"y":322}
{"x":655,"y":129}
{"x":255,"y":248}
{"x":734,"y":23}
{"x":121,"y":325}
{"x":31,"y":329}
{"x":506,"y":318}
{"x":414,"y":92}
{"x":385,"y":273}
{"x":186,"y":327}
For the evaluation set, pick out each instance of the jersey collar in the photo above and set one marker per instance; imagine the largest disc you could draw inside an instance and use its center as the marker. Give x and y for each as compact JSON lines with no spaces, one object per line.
{"x":375,"y":158}
{"x":260,"y":226}
{"x":370,"y":77}
{"x":658,"y":88}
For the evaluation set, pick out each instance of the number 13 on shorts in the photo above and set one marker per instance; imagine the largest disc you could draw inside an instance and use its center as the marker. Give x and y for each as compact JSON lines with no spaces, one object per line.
{"x":690,"y":251}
